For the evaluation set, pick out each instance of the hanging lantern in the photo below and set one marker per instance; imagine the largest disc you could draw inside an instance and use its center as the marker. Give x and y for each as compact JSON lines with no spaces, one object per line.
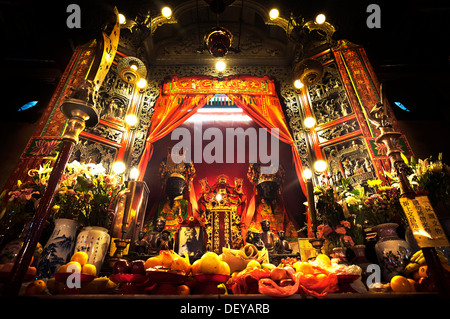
{"x":218,"y":41}
{"x":308,"y":71}
{"x":131,"y":69}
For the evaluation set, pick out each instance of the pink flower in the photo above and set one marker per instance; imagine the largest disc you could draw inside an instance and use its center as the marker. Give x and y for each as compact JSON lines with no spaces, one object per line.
{"x":340,"y":230}
{"x":345,"y":223}
{"x":349,"y":240}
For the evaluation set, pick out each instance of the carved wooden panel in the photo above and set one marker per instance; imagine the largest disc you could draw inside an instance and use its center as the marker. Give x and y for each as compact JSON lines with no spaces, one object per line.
{"x":350,"y":159}
{"x":328,"y":98}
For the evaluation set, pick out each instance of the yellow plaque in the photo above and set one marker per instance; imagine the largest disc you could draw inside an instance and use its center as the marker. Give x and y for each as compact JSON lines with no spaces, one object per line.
{"x":423,"y":222}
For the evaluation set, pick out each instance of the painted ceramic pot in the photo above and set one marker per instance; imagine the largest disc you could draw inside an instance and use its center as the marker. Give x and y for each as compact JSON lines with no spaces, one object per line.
{"x":94,"y":241}
{"x":59,"y":247}
{"x":392,"y":252}
{"x":10,"y":251}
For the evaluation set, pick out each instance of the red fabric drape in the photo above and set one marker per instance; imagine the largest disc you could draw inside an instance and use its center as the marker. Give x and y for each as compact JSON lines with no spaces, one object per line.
{"x":170,"y":112}
{"x":266,"y":111}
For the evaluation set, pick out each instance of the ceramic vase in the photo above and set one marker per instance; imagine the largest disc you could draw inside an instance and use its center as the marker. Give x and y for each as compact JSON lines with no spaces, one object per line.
{"x":94,"y":241}
{"x":10,"y":251}
{"x":59,"y":247}
{"x":392,"y":252}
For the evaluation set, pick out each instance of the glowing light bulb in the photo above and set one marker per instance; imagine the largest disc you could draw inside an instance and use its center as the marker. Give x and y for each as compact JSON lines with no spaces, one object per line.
{"x":307,"y":173}
{"x":309,"y":122}
{"x":320,"y":166}
{"x":218,"y":197}
{"x":118,"y":168}
{"x":131,"y":119}
{"x":134,"y":174}
{"x":273,"y":14}
{"x":141,"y":83}
{"x":122,"y":19}
{"x":320,"y":19}
{"x":166,"y":12}
{"x":220,"y":66}
{"x":298,"y":84}
{"x":134,"y":67}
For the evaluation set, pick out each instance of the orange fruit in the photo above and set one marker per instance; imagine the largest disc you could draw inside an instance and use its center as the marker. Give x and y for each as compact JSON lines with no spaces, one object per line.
{"x":153,"y":262}
{"x":62,"y":269}
{"x":210,"y":263}
{"x":89,"y":269}
{"x":183,"y":290}
{"x":423,"y":271}
{"x":196,"y":267}
{"x":81,"y":257}
{"x":321,"y":277}
{"x":413,"y":284}
{"x":73,"y":266}
{"x":323,"y":261}
{"x":400,"y":284}
{"x":224,"y":269}
{"x":304,"y":267}
{"x":166,"y":258}
{"x":35,"y":288}
{"x":180,"y":264}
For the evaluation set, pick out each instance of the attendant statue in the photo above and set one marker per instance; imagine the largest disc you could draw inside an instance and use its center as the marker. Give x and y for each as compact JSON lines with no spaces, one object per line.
{"x":150,"y":243}
{"x":269,"y":239}
{"x":165,"y":242}
{"x":174,"y":209}
{"x":254,"y":237}
{"x":283,"y":246}
{"x":269,"y":202}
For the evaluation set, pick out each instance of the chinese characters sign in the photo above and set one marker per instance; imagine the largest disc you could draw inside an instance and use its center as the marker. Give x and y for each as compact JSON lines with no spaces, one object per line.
{"x":424,"y":223}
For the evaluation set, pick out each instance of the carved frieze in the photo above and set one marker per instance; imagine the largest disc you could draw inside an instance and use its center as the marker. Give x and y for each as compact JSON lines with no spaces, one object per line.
{"x":89,"y":151}
{"x":350,"y":159}
{"x":338,"y":130}
{"x":329,"y":100}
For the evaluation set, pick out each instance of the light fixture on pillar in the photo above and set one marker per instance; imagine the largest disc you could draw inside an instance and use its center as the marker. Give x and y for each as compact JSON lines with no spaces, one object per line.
{"x":166,"y":12}
{"x":309,"y":122}
{"x":131,"y":120}
{"x":131,"y":69}
{"x":320,"y":18}
{"x":320,"y":166}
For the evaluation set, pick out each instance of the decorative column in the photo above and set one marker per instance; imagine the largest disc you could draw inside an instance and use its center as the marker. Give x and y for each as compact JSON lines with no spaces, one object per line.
{"x":80,"y":113}
{"x":380,"y":118}
{"x":79,"y":108}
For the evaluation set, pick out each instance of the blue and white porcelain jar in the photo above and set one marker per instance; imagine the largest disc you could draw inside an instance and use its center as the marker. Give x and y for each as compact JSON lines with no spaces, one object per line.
{"x":59,"y":247}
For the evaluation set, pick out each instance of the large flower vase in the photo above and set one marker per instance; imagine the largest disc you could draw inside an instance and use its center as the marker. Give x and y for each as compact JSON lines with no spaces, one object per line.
{"x":59,"y":247}
{"x":94,"y":241}
{"x":392,"y":252}
{"x":10,"y":251}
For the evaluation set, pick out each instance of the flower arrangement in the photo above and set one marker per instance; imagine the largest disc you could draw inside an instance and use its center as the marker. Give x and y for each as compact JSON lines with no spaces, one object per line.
{"x":431,"y":177}
{"x":384,"y":205}
{"x":330,"y":213}
{"x":86,"y":193}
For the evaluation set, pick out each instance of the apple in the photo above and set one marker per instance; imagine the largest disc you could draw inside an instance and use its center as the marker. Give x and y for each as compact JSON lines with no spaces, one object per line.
{"x":122,"y":266}
{"x":137,"y":267}
{"x":278,"y":274}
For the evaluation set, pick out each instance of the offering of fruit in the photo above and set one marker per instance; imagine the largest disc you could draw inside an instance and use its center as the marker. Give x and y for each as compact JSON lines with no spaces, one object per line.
{"x":78,"y":264}
{"x":401,"y":284}
{"x":169,"y":260}
{"x":210,"y":264}
{"x":36,"y":287}
{"x":138,"y":267}
{"x":122,"y":266}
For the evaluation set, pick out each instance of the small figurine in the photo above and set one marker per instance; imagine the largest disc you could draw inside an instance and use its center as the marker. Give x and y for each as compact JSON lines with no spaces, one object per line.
{"x":269,"y":239}
{"x":283,"y":247}
{"x":254,"y":237}
{"x":165,"y":242}
{"x":152,"y":239}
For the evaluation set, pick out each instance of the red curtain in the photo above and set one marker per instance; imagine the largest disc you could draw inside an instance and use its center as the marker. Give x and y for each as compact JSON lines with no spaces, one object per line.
{"x":170,"y":112}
